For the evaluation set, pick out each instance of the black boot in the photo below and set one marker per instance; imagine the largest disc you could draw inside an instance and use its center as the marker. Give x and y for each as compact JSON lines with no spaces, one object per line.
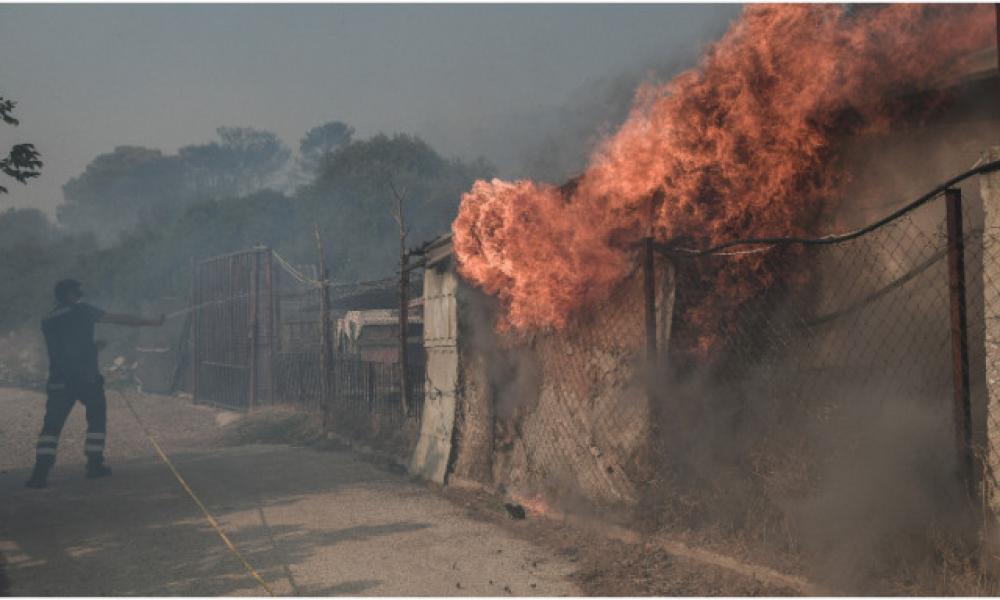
{"x":39,"y":477}
{"x":96,"y":468}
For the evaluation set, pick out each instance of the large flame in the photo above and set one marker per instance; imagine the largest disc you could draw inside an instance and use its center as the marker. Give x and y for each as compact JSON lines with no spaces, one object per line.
{"x":740,"y":146}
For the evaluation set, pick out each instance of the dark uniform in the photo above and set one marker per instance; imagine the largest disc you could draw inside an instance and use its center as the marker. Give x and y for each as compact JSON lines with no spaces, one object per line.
{"x":73,"y":375}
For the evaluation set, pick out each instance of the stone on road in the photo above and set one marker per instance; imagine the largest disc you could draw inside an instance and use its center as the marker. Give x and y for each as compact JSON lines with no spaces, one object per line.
{"x":310,"y":522}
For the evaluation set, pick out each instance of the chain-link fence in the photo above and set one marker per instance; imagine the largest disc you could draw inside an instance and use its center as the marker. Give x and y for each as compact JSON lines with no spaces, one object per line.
{"x":574,"y":419}
{"x":230,"y":299}
{"x":794,"y":377}
{"x":361,"y":396}
{"x":781,"y":362}
{"x":842,"y":356}
{"x":269,"y":312}
{"x":853,"y":378}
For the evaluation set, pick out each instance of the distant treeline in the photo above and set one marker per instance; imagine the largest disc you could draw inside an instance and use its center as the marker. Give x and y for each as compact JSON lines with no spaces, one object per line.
{"x":133,"y":220}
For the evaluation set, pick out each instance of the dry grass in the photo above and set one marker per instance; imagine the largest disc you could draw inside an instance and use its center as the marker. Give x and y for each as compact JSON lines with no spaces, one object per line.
{"x":277,"y":425}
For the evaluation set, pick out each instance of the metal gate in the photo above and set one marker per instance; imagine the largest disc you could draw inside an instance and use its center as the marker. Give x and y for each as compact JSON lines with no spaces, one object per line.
{"x":233,"y":329}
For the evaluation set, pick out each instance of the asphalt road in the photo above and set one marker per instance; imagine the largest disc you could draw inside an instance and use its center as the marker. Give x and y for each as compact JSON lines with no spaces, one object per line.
{"x":311,"y":522}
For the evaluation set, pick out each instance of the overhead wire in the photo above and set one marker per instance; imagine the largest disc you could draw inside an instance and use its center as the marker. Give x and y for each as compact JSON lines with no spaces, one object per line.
{"x":977,"y":169}
{"x":298,"y":275}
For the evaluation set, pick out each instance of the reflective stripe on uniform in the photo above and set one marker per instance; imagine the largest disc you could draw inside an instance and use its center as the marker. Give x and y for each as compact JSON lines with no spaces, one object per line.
{"x":53,"y":387}
{"x":52,"y":439}
{"x":95,"y":435}
{"x":94,"y":448}
{"x":45,"y":451}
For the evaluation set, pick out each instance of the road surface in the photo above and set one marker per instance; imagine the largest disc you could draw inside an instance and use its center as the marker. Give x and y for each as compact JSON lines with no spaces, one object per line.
{"x":310,"y":522}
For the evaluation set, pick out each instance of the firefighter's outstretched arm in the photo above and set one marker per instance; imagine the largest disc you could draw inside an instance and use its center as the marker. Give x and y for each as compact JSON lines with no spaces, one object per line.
{"x":131,"y":320}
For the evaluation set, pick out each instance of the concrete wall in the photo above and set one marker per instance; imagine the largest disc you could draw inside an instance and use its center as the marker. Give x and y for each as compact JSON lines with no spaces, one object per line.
{"x":990,"y":191}
{"x":543,"y":413}
{"x":433,"y":450}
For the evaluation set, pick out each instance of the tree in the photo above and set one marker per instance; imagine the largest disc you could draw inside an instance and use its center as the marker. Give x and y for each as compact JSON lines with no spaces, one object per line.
{"x":23,"y":162}
{"x":135,"y":186}
{"x":219,"y":226}
{"x":149,"y":263}
{"x":122,"y":189}
{"x":33,"y":254}
{"x":319,"y":142}
{"x":349,"y":196}
{"x":245,"y":160}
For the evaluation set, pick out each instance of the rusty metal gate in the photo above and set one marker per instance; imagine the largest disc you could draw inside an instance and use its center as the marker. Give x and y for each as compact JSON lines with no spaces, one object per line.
{"x":233,"y":329}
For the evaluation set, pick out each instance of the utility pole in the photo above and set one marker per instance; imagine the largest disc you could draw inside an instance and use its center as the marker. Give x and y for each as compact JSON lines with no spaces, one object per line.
{"x":404,"y":301}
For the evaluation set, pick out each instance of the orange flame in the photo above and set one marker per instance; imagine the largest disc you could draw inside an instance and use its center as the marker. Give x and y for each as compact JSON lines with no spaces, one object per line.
{"x":740,"y":146}
{"x":535,"y":505}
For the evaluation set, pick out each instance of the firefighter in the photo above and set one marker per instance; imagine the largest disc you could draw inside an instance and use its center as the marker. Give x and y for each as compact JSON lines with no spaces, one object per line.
{"x":74,"y":375}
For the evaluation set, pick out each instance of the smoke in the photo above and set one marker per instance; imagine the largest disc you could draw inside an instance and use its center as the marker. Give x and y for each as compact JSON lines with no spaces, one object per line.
{"x":553,"y":143}
{"x":842,"y":482}
{"x":888,"y":481}
{"x":509,"y":365}
{"x":835,"y":444}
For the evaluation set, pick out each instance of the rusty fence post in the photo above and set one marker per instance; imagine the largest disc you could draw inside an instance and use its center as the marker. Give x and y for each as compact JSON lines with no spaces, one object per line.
{"x":962,"y":409}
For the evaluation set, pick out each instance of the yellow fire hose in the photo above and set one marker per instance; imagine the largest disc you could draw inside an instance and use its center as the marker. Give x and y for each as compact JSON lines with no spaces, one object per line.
{"x":187,"y":488}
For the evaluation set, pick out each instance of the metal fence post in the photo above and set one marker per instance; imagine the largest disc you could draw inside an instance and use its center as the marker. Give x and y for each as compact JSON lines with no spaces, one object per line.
{"x":195,"y":329}
{"x":269,"y":292}
{"x":326,"y":347}
{"x":254,"y":336}
{"x":370,"y":388}
{"x":959,"y":335}
{"x":404,"y":320}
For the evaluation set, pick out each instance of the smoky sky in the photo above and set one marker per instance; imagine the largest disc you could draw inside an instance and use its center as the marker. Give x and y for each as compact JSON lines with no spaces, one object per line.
{"x":88,"y":78}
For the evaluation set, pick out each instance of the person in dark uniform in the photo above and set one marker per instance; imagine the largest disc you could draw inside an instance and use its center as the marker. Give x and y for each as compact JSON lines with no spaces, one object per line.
{"x":74,"y":375}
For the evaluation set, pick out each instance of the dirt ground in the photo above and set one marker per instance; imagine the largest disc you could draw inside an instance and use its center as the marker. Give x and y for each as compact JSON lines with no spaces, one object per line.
{"x":610,"y":567}
{"x":179,"y":424}
{"x":314,"y":520}
{"x":601,"y":566}
{"x":665,"y":562}
{"x":310,"y":521}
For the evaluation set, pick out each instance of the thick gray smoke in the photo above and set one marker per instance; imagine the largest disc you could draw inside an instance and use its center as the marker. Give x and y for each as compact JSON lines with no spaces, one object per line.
{"x":512,"y":373}
{"x":836,"y":445}
{"x":552,"y":144}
